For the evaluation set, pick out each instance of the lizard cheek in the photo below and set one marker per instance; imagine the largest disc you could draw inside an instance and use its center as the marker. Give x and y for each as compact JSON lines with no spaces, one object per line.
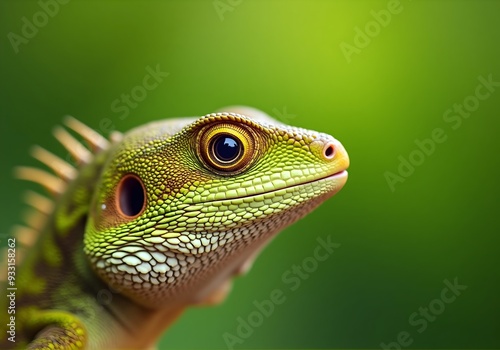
{"x":130,"y":196}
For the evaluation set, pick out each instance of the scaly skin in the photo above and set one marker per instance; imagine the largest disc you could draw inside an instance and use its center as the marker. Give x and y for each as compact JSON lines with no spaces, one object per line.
{"x":107,"y":273}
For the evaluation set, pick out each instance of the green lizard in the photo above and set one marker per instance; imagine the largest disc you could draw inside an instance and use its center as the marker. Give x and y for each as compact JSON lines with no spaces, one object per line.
{"x":156,"y":220}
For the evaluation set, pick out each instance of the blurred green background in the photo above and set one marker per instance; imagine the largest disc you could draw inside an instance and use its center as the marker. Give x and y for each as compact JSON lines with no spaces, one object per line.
{"x":285,"y":57}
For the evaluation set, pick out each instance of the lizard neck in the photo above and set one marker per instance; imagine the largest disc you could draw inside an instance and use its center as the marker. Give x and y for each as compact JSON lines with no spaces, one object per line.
{"x":128,"y":324}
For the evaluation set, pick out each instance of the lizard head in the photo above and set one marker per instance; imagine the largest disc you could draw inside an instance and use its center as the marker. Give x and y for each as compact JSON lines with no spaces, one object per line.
{"x":180,"y":207}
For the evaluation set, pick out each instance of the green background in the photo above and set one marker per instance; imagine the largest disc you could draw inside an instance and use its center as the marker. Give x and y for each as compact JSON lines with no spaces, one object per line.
{"x":397,"y":247}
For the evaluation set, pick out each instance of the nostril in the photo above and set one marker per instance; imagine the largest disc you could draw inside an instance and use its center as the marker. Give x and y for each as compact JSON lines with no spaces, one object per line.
{"x":329,"y":150}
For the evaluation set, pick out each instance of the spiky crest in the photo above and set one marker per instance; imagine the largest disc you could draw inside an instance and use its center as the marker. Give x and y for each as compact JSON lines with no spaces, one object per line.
{"x":56,"y":182}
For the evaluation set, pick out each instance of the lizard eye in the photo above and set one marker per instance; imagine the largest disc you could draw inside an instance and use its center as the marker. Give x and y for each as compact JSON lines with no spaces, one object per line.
{"x":130,"y":196}
{"x":226,"y":148}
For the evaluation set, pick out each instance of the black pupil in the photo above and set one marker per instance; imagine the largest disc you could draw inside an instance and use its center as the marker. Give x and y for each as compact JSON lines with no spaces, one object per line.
{"x":227,"y":148}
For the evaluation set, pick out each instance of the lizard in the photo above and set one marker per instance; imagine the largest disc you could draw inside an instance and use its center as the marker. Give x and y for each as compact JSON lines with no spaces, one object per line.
{"x":156,"y":220}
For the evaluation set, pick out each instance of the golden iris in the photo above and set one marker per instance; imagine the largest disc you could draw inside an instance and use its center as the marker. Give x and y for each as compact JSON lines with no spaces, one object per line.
{"x":226,"y":148}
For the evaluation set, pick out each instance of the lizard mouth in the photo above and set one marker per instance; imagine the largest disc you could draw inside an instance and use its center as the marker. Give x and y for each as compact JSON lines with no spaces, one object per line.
{"x":340,"y":177}
{"x":336,"y":175}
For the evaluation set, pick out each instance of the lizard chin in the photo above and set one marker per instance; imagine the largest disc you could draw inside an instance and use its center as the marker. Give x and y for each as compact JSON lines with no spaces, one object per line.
{"x":340,"y":179}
